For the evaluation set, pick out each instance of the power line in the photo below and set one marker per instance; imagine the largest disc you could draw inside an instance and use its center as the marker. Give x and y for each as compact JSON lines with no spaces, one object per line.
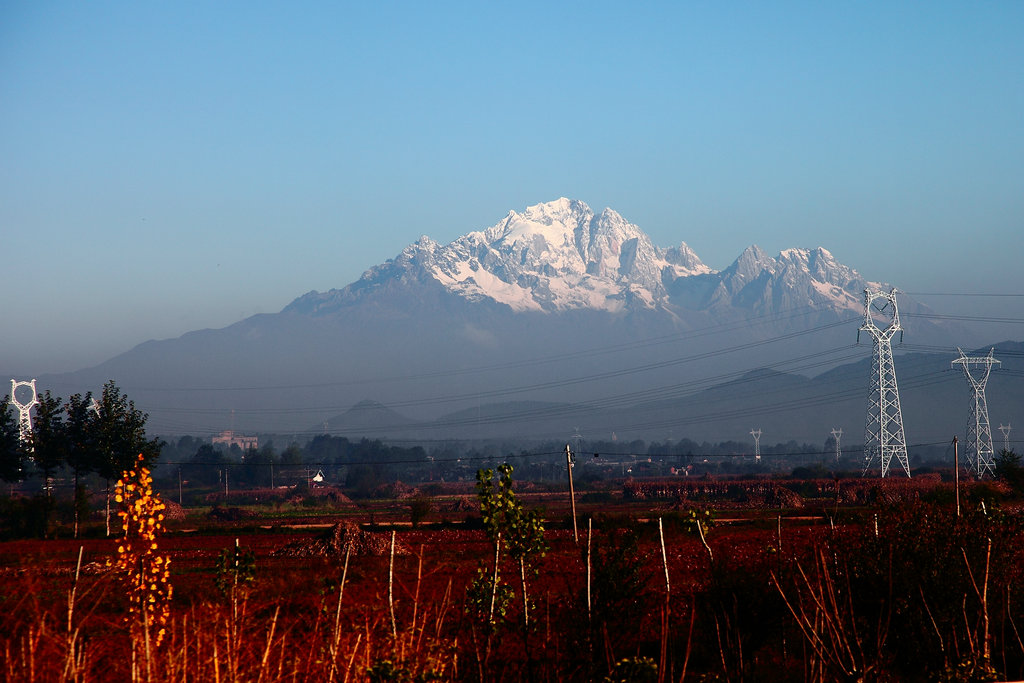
{"x":720,"y":328}
{"x":973,"y":294}
{"x":554,"y":384}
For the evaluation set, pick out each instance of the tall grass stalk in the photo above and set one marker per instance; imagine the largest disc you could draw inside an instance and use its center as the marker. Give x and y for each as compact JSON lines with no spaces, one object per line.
{"x":823,"y":613}
{"x":391,"y":592}
{"x":663,"y":649}
{"x":73,"y":660}
{"x":337,"y":615}
{"x":270,"y":641}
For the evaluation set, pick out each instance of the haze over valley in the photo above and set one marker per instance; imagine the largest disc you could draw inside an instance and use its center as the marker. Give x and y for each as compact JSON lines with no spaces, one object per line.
{"x":557,"y":318}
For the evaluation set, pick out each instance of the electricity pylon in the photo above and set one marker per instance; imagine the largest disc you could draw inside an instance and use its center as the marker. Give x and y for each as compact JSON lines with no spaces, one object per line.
{"x":1005,"y":429}
{"x":883,"y":429}
{"x":25,"y":409}
{"x":756,"y":433}
{"x":979,"y":431}
{"x":837,"y":434}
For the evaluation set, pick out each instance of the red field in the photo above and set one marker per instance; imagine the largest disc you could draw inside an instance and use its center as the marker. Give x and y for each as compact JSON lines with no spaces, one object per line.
{"x":775,"y":595}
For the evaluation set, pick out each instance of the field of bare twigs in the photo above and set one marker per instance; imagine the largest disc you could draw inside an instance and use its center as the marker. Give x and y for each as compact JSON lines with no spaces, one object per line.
{"x":656,"y":589}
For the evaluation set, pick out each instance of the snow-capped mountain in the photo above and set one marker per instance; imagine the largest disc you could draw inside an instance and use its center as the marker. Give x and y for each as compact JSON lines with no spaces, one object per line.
{"x":553,"y":304}
{"x":561,"y":256}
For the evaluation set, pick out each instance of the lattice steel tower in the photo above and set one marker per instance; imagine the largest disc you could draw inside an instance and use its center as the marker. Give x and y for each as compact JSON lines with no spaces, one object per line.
{"x":883,"y":429}
{"x":756,"y":433}
{"x":24,"y":409}
{"x":837,"y":434}
{"x":1005,"y":429}
{"x":978,"y":446}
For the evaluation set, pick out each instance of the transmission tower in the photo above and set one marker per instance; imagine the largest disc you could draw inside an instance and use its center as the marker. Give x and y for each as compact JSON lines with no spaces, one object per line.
{"x":837,"y":434}
{"x":756,"y":433}
{"x":979,"y":431}
{"x":25,"y":409}
{"x":1005,"y":429}
{"x":883,"y":429}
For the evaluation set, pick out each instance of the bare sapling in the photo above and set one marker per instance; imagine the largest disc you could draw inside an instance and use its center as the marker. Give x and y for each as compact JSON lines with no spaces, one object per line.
{"x":336,"y":636}
{"x":663,"y":658}
{"x":391,"y":591}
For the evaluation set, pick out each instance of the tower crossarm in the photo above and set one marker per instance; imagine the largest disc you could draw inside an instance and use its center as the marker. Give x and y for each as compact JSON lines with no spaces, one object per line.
{"x":24,"y":409}
{"x":982,"y":363}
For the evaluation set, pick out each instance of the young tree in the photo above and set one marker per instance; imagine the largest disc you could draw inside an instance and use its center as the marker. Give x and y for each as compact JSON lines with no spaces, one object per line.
{"x":12,"y":455}
{"x":80,"y":430}
{"x":1009,"y":469}
{"x":259,"y":468}
{"x":49,"y":437}
{"x":206,"y":466}
{"x":505,"y":517}
{"x":120,"y":437}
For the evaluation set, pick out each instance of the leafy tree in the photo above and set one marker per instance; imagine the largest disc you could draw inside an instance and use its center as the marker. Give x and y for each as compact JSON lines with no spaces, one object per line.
{"x":120,"y":437}
{"x":120,"y":432}
{"x":49,"y":436}
{"x":80,"y":443}
{"x":361,"y":480}
{"x":504,"y":517}
{"x":80,"y":429}
{"x":292,"y":456}
{"x":259,"y":467}
{"x":205,"y":465}
{"x":1008,"y":467}
{"x":12,"y":455}
{"x":517,"y":531}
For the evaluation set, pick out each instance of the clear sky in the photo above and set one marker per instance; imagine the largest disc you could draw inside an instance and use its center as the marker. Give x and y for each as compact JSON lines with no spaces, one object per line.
{"x":166,"y":167}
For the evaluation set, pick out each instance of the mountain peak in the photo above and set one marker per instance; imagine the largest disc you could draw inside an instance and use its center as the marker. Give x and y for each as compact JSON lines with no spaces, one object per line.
{"x":749,"y":263}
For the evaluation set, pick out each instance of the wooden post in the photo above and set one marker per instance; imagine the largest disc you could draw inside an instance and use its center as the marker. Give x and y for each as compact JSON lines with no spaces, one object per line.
{"x":956,"y":475}
{"x":589,"y":532}
{"x":391,"y":593}
{"x":663,"y":655}
{"x":572,"y":493}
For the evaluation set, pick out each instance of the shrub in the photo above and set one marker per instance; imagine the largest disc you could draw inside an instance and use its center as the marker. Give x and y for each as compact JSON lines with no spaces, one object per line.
{"x":143,"y":572}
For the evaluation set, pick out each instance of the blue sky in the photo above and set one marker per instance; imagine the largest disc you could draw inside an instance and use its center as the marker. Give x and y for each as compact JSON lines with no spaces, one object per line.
{"x":171,"y":166}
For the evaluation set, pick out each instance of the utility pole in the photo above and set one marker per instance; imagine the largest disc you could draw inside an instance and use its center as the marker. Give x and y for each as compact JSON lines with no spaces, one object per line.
{"x":883,"y":428}
{"x":572,"y":493}
{"x":956,"y":475}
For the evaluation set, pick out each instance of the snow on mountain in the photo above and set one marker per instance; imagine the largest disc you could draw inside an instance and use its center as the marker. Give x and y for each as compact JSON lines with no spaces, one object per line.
{"x":797,"y":277}
{"x":561,"y":256}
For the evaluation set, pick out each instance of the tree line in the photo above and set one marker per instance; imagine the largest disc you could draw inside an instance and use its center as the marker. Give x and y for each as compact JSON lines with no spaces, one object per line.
{"x":84,"y":434}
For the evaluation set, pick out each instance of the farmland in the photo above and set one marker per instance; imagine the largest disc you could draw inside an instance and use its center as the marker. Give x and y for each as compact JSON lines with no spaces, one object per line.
{"x":702,"y":580}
